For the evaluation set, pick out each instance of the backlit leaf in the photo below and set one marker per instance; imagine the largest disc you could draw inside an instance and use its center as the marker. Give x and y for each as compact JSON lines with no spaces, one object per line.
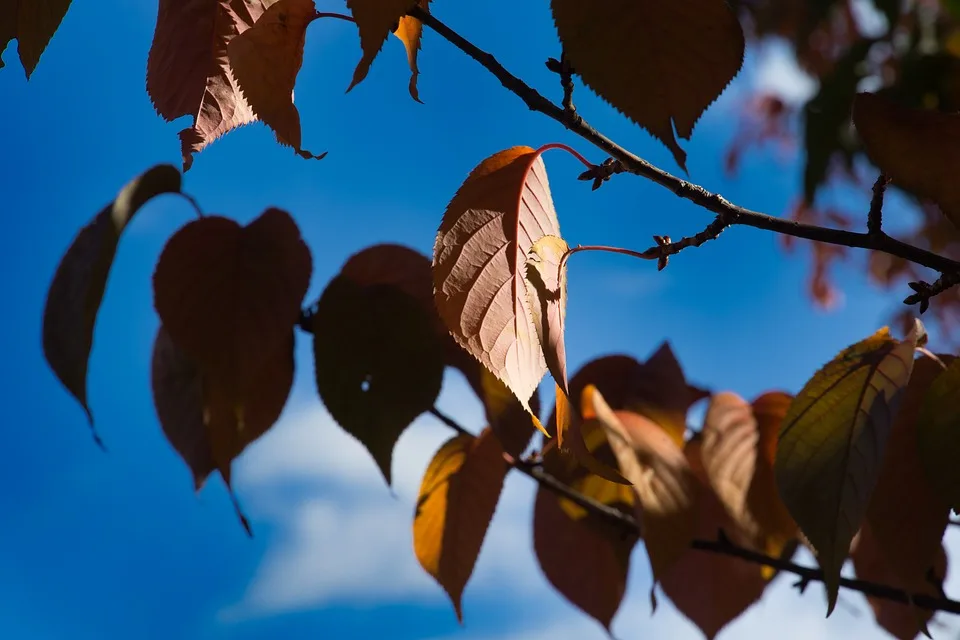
{"x":376,"y":20}
{"x":458,"y":497}
{"x":738,"y":452}
{"x":410,"y":31}
{"x":659,"y":63}
{"x":266,"y":60}
{"x":489,"y":227}
{"x":379,"y":362}
{"x":938,"y":435}
{"x":903,"y":494}
{"x":919,"y":149}
{"x":833,"y":440}
{"x":229,"y":296}
{"x":32,"y":23}
{"x":508,"y":419}
{"x":188,"y":69}
{"x":80,"y":281}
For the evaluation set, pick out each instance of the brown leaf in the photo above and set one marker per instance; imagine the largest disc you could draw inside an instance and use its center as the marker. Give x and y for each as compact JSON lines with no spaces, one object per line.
{"x":508,"y":419}
{"x":188,"y":70}
{"x":266,"y":60}
{"x":78,"y":286}
{"x":377,"y":19}
{"x":410,"y":31}
{"x":32,"y":23}
{"x":739,"y":447}
{"x":379,"y":362}
{"x":938,"y":444}
{"x":659,"y":63}
{"x":712,"y":589}
{"x":489,"y":227}
{"x":584,"y":555}
{"x":918,"y":149}
{"x":458,"y":496}
{"x":230,"y":295}
{"x":903,"y":494}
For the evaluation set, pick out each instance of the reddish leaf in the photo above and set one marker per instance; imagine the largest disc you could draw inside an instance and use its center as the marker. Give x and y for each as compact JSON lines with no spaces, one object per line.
{"x":458,"y":497}
{"x":489,"y":227}
{"x":230,"y":295}
{"x":32,"y":23}
{"x":379,"y":362}
{"x":410,"y":31}
{"x":78,"y":286}
{"x":376,"y":19}
{"x":266,"y":60}
{"x":188,"y":70}
{"x":659,"y":63}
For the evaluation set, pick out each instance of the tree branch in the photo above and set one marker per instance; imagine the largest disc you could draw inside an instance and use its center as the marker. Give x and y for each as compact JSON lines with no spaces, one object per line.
{"x":875,"y":215}
{"x":735,"y":215}
{"x":722,"y":544}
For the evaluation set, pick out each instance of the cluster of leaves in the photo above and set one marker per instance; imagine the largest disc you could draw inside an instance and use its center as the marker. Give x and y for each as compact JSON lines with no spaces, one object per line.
{"x":866,"y":445}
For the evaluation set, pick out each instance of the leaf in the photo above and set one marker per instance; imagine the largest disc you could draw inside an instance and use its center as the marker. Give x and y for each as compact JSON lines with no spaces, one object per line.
{"x":661,"y":64}
{"x":938,"y":435}
{"x":919,"y":149}
{"x":376,"y":20}
{"x":188,"y":69}
{"x":458,"y":497}
{"x":32,"y":23}
{"x":903,"y":494}
{"x":712,"y":589}
{"x":738,"y":452}
{"x":832,"y":443}
{"x":80,"y":281}
{"x":584,"y":555}
{"x":186,"y":406}
{"x":230,"y":295}
{"x":667,"y":489}
{"x":508,"y":419}
{"x":379,"y":362}
{"x":489,"y":227}
{"x":266,"y":60}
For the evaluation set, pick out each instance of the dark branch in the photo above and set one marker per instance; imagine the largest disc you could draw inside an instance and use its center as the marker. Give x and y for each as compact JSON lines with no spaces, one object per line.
{"x":925,"y":291}
{"x":875,"y":215}
{"x":695,"y":193}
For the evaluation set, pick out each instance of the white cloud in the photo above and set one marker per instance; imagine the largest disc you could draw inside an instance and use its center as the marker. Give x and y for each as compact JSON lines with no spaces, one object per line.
{"x":776,"y":71}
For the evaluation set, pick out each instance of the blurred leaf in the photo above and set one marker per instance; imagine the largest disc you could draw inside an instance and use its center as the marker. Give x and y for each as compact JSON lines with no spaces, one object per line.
{"x":32,"y":23}
{"x":832,"y":443}
{"x":458,"y":497}
{"x":659,"y":63}
{"x":78,"y":286}
{"x":938,"y":435}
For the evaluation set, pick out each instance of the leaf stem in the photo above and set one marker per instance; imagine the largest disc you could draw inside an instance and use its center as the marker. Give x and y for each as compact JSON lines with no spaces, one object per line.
{"x":338,"y":16}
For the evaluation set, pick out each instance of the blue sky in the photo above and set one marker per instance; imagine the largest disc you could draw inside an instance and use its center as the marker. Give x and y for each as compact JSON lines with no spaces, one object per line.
{"x":118,"y":546}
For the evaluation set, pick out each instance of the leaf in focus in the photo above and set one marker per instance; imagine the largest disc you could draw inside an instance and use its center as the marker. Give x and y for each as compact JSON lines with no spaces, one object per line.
{"x":376,"y":20}
{"x":919,"y":149}
{"x":489,"y":227}
{"x":871,"y":563}
{"x":712,"y":589}
{"x":379,"y":362}
{"x":584,"y":555}
{"x":266,"y":59}
{"x":410,"y":31}
{"x":458,"y":497}
{"x":32,"y":23}
{"x":666,"y":486}
{"x":738,"y":450}
{"x":188,"y":69}
{"x":661,"y":64}
{"x":903,"y":494}
{"x":230,"y":295}
{"x":78,"y":286}
{"x":938,"y":435}
{"x":832,"y":443}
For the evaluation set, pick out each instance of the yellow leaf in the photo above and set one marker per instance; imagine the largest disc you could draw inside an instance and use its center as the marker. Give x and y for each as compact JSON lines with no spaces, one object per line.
{"x":659,"y":63}
{"x":410,"y":31}
{"x":458,"y":496}
{"x":832,"y":443}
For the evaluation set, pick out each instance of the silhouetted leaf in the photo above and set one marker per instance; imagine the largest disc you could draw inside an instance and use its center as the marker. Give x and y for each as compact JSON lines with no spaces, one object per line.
{"x":32,"y":23}
{"x":458,"y":496}
{"x":832,"y":443}
{"x":78,"y":285}
{"x":659,"y":63}
{"x":379,"y":362}
{"x":938,"y":435}
{"x":376,"y":20}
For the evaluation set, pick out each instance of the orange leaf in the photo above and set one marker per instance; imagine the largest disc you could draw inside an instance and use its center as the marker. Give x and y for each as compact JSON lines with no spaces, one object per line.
{"x":32,"y":23}
{"x":230,"y":295}
{"x":377,"y":19}
{"x":507,"y":418}
{"x":410,"y":32}
{"x":458,"y":496}
{"x":489,"y":227}
{"x":79,"y":284}
{"x":266,"y":60}
{"x":188,"y":70}
{"x":379,"y":362}
{"x":918,"y":149}
{"x":659,"y":63}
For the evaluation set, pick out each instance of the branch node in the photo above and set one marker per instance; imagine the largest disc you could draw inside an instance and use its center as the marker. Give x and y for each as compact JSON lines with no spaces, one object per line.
{"x":600,"y":173}
{"x":875,"y":215}
{"x":924,"y":291}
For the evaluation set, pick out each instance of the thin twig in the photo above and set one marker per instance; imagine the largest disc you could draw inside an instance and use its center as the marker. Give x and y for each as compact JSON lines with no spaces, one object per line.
{"x":193,"y":203}
{"x":698,"y":195}
{"x":875,"y":215}
{"x":925,"y":291}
